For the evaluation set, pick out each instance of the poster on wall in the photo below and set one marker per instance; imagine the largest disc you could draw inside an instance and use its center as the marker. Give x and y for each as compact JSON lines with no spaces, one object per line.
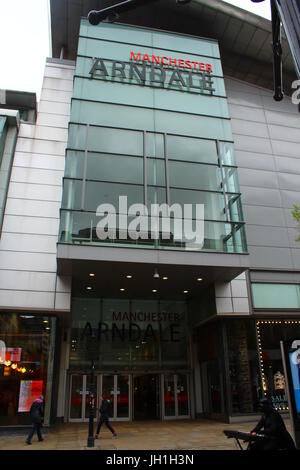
{"x":29,"y":391}
{"x":13,"y":354}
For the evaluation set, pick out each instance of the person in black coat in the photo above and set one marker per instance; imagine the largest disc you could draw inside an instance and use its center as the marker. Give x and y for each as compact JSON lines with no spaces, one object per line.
{"x":272,"y":427}
{"x":104,"y":417}
{"x":36,"y":414}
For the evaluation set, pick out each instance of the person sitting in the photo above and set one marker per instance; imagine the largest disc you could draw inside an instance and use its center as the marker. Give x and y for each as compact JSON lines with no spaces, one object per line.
{"x":272,"y":427}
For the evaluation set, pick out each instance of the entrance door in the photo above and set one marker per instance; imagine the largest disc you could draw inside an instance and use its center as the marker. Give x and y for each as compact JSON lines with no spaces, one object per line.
{"x":117,"y":389}
{"x":146,"y":397}
{"x":175,"y":390}
{"x":80,"y":397}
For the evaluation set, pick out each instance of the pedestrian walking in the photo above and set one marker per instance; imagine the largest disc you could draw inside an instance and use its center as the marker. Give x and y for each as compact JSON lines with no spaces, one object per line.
{"x":36,"y":414}
{"x":104,"y":417}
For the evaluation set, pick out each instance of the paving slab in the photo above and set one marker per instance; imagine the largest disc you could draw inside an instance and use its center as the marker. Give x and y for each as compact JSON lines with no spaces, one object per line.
{"x":153,"y":435}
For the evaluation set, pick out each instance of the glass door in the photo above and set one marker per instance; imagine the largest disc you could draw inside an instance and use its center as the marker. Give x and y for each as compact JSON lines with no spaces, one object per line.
{"x":169,"y":396}
{"x":76,"y":395}
{"x":182,"y":395}
{"x":117,"y":389}
{"x":175,"y":396}
{"x":80,"y":388}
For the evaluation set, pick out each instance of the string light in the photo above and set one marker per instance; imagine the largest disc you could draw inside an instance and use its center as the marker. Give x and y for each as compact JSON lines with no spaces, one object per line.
{"x":269,"y":322}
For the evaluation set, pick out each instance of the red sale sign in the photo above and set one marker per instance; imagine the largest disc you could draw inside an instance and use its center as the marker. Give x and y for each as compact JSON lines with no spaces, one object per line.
{"x":29,"y":391}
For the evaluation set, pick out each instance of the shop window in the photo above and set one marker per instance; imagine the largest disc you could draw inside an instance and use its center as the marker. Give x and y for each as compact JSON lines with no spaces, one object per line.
{"x":270,"y":333}
{"x":25,"y":345}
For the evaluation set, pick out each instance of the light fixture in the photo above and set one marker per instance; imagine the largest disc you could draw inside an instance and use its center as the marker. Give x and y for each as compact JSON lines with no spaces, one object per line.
{"x":165,"y":278}
{"x":185,"y":291}
{"x":199,"y":279}
{"x":129,"y":276}
{"x":156,"y":274}
{"x":122,"y":290}
{"x":14,"y":366}
{"x":45,"y":321}
{"x":89,"y":288}
{"x":47,"y":327}
{"x":92,"y":275}
{"x":154,"y":290}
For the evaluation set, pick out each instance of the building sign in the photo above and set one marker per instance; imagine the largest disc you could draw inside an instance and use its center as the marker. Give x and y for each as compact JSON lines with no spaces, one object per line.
{"x":29,"y":391}
{"x":126,"y":327}
{"x":154,"y":70}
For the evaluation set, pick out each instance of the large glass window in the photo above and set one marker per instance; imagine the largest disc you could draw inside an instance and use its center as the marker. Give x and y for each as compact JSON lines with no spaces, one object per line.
{"x":26,"y":343}
{"x":194,"y":176}
{"x":105,"y":139}
{"x":103,"y":164}
{"x":127,"y":334}
{"x":191,"y":149}
{"x":276,"y":296}
{"x":270,"y":333}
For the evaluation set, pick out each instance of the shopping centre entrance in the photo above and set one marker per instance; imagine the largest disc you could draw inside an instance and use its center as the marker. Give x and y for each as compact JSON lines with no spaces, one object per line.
{"x":136,"y":396}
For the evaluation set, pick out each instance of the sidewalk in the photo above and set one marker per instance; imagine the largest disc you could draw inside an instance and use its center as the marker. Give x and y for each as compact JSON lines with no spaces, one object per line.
{"x":153,"y":435}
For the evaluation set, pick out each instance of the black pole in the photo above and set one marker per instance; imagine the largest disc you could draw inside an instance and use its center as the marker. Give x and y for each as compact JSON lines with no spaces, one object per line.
{"x":277,"y":52}
{"x":95,"y":17}
{"x":112,"y":13}
{"x":91,"y":440}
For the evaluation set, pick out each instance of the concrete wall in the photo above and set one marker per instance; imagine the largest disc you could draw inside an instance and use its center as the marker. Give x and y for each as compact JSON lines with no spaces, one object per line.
{"x":267,"y":148}
{"x":28,"y":277}
{"x":232,"y":297}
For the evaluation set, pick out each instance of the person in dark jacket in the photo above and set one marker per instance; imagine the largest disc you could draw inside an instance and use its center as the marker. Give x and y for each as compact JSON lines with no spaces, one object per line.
{"x":272,"y":427}
{"x":104,"y":417}
{"x":36,"y":414}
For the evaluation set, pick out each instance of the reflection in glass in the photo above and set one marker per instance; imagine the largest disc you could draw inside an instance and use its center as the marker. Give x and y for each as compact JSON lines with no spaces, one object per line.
{"x":123,"y":396}
{"x":191,"y":149}
{"x":182,"y":395}
{"x":76,"y":397}
{"x":78,"y":227}
{"x":108,"y":391}
{"x":154,"y":145}
{"x":169,"y":395}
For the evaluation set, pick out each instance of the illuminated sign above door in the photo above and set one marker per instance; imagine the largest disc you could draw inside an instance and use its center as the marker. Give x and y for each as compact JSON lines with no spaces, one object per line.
{"x":157,"y":71}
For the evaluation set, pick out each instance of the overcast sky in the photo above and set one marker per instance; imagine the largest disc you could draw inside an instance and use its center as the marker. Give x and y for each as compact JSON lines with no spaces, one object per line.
{"x":25,"y":40}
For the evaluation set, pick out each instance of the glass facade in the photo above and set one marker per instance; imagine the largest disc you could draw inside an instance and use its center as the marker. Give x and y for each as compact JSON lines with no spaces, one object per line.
{"x":8,"y":136}
{"x":26,"y":348}
{"x":121,"y":334}
{"x":152,"y":169}
{"x":276,"y":296}
{"x":154,"y":145}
